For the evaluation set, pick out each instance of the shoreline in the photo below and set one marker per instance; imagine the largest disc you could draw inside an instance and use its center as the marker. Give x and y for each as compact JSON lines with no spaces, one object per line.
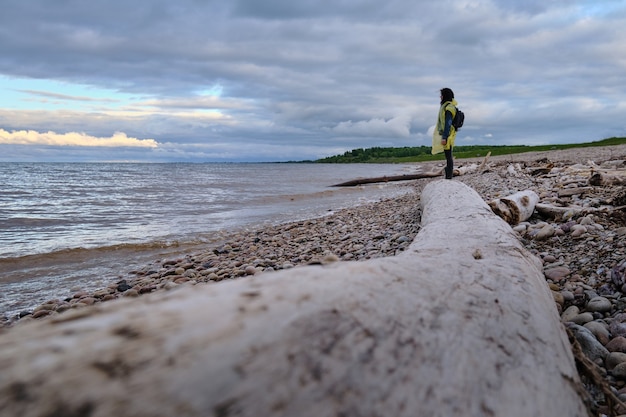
{"x":586,"y":272}
{"x":368,"y":230}
{"x":33,"y":273}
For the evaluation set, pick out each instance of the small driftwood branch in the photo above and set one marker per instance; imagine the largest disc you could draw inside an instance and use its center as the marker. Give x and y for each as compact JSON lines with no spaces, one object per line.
{"x":541,"y":170}
{"x":484,"y":163}
{"x":569,"y":212}
{"x":556,"y":212}
{"x":568,"y":192}
{"x":515,"y":208}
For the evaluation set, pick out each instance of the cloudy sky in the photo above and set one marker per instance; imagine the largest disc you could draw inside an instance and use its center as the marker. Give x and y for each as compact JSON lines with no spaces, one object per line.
{"x":277,"y":80}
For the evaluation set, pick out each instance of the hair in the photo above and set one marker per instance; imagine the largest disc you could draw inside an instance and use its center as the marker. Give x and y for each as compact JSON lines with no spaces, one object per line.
{"x":446,"y":95}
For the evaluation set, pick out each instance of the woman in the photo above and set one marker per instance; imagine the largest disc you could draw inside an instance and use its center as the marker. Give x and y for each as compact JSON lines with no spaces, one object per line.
{"x":444,"y":134}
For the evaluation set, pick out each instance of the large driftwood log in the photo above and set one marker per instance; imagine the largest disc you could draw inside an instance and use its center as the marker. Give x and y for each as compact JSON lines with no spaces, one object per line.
{"x":405,"y":177}
{"x":460,"y":324}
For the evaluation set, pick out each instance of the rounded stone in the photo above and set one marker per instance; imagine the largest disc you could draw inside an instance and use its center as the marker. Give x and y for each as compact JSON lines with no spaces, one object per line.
{"x":582,"y":318}
{"x":619,"y":371}
{"x":549,"y":259}
{"x":570,"y":313}
{"x":558,"y":298}
{"x":169,"y":285}
{"x":585,"y":221}
{"x":599,"y":304}
{"x":590,"y":346}
{"x":578,"y":230}
{"x":131,"y":293}
{"x":617,"y":328}
{"x":613,"y":359}
{"x":557,"y":273}
{"x":546,"y":232}
{"x":617,"y":344}
{"x":88,"y":300}
{"x":599,"y":330}
{"x":41,"y":313}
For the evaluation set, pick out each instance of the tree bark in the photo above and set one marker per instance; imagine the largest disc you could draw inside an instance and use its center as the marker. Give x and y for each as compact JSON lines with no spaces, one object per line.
{"x":515,"y":208}
{"x":460,"y":324}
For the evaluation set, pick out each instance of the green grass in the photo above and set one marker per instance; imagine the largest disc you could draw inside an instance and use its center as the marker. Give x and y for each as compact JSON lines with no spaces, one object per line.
{"x":422,"y":153}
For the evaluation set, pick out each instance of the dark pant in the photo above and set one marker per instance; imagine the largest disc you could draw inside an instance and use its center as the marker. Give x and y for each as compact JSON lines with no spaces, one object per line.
{"x":449,"y":163}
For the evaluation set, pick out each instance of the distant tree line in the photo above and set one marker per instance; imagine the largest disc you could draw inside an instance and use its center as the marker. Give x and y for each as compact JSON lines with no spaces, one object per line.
{"x":381,"y":154}
{"x":422,"y":153}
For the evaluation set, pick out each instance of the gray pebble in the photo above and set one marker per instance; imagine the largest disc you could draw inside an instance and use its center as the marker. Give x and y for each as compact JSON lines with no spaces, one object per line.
{"x":599,"y":304}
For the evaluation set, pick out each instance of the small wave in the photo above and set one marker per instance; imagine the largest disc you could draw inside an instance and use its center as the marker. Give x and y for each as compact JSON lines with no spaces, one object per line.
{"x":18,"y":222}
{"x":77,"y":255}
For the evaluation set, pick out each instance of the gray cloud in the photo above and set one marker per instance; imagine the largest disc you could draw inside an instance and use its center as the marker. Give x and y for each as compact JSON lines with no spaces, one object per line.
{"x":306,"y":79}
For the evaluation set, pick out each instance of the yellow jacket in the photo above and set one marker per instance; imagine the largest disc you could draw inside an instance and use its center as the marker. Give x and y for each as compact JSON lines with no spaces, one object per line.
{"x":439,"y":129}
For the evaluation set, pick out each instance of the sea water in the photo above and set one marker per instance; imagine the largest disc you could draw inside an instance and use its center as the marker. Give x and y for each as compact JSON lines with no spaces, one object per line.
{"x":66,"y":227}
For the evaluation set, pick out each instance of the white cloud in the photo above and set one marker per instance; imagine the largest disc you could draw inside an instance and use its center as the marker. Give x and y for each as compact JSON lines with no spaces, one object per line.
{"x":32,"y":138}
{"x":395,"y":127}
{"x":333,"y":74}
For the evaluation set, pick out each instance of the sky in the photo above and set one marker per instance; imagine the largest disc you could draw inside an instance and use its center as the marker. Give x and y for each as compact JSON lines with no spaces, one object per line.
{"x":286,"y":80}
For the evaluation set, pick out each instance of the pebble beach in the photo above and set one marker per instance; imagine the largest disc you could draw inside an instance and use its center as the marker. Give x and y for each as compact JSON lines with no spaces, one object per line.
{"x":583,"y":253}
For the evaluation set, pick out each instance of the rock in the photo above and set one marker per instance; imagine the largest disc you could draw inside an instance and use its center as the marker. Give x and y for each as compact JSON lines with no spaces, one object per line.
{"x":599,"y":330}
{"x":617,"y":328}
{"x":558,"y":298}
{"x":557,"y":273}
{"x":546,"y":232}
{"x":41,"y":313}
{"x":549,"y":259}
{"x":617,"y":344}
{"x":45,"y":307}
{"x":170,"y":285}
{"x":578,"y":230}
{"x":599,"y":304}
{"x":101,"y":293}
{"x":88,"y":300}
{"x":568,"y":296}
{"x":582,"y":318}
{"x":619,"y":371}
{"x":590,"y":346}
{"x":614,"y":358}
{"x":570,"y":313}
{"x":586,"y":221}
{"x":330,"y":258}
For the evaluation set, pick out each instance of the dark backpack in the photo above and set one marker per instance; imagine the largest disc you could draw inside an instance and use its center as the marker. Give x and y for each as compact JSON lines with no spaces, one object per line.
{"x":458,"y":120}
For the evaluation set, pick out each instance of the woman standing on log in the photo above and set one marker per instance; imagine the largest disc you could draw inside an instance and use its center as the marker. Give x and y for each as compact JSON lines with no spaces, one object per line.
{"x":444,"y":134}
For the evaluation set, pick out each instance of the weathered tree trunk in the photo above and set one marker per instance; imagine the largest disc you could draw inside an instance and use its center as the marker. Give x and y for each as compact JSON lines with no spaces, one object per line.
{"x":405,"y":177}
{"x":515,"y":208}
{"x":460,"y":324}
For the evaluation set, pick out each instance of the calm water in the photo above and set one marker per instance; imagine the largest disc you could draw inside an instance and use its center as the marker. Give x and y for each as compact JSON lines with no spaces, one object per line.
{"x":65,"y":227}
